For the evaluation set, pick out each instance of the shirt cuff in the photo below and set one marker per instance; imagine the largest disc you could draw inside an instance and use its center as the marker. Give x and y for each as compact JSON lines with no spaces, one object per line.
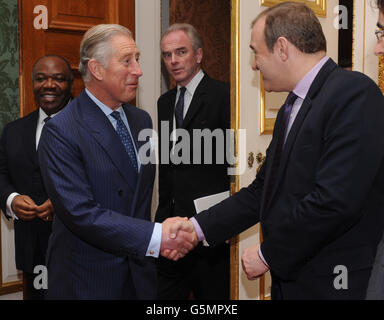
{"x":262,"y":257}
{"x":155,"y":243}
{"x":9,"y":211}
{"x":199,"y":232}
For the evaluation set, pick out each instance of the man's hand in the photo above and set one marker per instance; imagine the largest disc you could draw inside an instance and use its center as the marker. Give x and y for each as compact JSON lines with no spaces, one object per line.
{"x":252,"y":264}
{"x":45,"y":211}
{"x":178,"y":238}
{"x":24,"y":207}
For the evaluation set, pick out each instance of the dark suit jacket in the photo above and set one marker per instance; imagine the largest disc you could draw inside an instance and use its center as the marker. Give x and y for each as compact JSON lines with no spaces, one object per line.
{"x":101,"y":229}
{"x":20,"y":172}
{"x":327,"y":206}
{"x":180,"y":184}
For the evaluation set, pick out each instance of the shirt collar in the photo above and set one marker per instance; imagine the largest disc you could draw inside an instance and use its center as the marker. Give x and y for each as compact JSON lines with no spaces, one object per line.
{"x":305,"y":83}
{"x":107,"y":110}
{"x":192,"y":85}
{"x":43,"y":115}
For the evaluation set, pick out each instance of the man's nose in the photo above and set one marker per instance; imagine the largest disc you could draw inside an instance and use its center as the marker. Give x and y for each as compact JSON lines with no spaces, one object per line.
{"x":137,"y":70}
{"x":49,"y":83}
{"x":379,"y":49}
{"x":174,"y":58}
{"x":254,"y":65}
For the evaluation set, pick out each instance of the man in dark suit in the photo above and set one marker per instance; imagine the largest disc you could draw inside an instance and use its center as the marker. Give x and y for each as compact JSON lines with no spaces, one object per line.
{"x":320,"y":193}
{"x":206,"y":106}
{"x":23,"y":196}
{"x":103,"y":243}
{"x":376,"y":282}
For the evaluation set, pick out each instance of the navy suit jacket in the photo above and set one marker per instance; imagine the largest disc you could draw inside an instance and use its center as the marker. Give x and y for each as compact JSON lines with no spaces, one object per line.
{"x":209,"y":109}
{"x":101,"y":228}
{"x":20,"y":172}
{"x":327,"y":205}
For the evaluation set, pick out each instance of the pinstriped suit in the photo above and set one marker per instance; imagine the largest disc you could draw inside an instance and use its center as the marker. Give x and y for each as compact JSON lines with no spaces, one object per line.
{"x":101,"y":229}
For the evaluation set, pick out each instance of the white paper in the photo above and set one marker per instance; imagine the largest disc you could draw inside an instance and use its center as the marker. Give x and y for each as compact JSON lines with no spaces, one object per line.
{"x":205,"y":203}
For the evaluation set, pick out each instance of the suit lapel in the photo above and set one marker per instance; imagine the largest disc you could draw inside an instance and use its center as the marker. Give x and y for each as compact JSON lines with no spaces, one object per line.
{"x":316,"y":85}
{"x":146,"y":169}
{"x":102,"y":130}
{"x":196,"y":102}
{"x":29,"y":132}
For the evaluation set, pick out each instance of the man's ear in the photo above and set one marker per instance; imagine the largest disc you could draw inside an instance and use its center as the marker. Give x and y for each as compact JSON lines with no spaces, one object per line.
{"x":199,"y":55}
{"x":96,"y":69}
{"x":281,"y":47}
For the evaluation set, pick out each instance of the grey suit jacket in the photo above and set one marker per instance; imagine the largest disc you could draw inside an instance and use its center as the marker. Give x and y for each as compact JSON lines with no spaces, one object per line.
{"x":376,"y":282}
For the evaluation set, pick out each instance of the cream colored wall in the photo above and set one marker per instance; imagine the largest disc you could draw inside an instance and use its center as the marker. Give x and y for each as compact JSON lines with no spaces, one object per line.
{"x":249,"y":116}
{"x":148,"y":32}
{"x":8,"y":267}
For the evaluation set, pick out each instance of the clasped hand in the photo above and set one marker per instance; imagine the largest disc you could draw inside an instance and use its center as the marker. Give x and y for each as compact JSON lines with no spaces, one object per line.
{"x":26,"y":209}
{"x":178,"y":238}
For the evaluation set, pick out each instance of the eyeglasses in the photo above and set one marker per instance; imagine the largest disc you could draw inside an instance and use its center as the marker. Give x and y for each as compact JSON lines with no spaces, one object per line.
{"x":379,"y":33}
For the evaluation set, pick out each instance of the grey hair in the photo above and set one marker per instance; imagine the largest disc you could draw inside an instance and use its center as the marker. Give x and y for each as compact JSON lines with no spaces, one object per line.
{"x":190,"y":31}
{"x":95,"y":45}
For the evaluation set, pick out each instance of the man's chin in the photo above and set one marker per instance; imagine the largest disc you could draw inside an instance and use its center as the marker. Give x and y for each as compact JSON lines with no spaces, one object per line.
{"x":50,"y":108}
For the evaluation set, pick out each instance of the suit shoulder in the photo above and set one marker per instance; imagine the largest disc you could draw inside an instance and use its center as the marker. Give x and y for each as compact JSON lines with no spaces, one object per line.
{"x":167,"y":96}
{"x":141,"y":114}
{"x":343,"y":83}
{"x":22,"y":121}
{"x":218,"y":85}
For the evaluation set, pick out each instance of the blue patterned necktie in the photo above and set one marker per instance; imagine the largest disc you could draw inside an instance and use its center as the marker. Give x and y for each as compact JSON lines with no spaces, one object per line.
{"x":287,"y":108}
{"x":179,"y":109}
{"x":125,"y":138}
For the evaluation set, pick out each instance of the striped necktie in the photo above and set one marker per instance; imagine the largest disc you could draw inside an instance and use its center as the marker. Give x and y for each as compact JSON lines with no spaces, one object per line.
{"x":179,"y":109}
{"x":287,"y":108}
{"x":125,"y":138}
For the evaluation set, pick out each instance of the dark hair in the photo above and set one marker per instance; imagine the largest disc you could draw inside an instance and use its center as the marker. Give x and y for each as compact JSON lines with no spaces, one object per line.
{"x":70,"y":72}
{"x":297,"y":23}
{"x":380,"y":5}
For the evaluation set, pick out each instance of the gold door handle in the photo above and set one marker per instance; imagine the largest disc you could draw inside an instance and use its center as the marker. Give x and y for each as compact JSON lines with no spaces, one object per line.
{"x":251,"y":160}
{"x":260,"y":158}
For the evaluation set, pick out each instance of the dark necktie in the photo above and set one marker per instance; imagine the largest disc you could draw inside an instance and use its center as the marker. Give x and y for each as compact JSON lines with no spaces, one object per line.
{"x":125,"y":138}
{"x":47,"y":119}
{"x":179,"y":109}
{"x":287,"y":108}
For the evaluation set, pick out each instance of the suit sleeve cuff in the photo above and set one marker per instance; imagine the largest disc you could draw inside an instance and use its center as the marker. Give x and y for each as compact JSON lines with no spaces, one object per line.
{"x":199,"y":232}
{"x":155,"y":243}
{"x":262,"y":257}
{"x":9,"y":212}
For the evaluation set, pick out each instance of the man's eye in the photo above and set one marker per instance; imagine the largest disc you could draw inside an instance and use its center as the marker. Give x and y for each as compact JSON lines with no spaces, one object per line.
{"x":59,"y":79}
{"x":40,"y":79}
{"x":181,"y":52}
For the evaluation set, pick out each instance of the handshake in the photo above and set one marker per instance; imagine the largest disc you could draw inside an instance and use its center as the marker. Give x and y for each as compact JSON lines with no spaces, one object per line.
{"x":178,"y":238}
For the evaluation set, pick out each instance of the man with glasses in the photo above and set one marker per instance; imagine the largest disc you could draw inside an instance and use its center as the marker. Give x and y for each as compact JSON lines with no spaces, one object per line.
{"x":376,"y":283}
{"x":379,"y":50}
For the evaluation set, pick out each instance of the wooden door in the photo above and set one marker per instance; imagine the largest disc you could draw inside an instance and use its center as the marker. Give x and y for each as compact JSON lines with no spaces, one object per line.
{"x":67,"y":22}
{"x":212,"y":19}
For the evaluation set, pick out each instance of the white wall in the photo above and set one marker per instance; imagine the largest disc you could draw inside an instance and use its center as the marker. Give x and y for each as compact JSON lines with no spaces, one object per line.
{"x":148,"y":32}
